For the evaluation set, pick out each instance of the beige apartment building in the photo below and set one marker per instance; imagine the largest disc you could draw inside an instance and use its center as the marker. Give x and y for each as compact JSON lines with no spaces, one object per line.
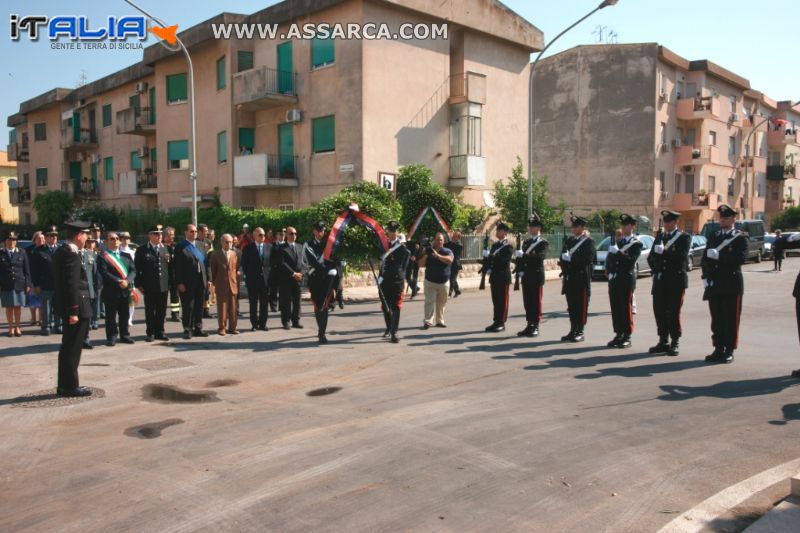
{"x":284,"y":123}
{"x":639,"y":128}
{"x":9,"y":212}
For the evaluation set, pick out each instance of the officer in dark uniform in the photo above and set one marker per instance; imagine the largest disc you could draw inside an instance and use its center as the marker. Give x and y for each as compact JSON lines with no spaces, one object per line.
{"x":577,"y":256}
{"x":168,"y":240}
{"x":530,"y":265}
{"x":668,"y":261}
{"x":412,"y":273}
{"x":455,"y":246}
{"x":499,"y":268}
{"x":41,"y":268}
{"x":273,"y":282}
{"x":792,"y":243}
{"x":72,"y":303}
{"x":391,"y":280}
{"x":621,"y":267}
{"x":726,"y":251}
{"x":192,"y":278}
{"x":152,"y":280}
{"x":323,"y":277}
{"x":89,"y":262}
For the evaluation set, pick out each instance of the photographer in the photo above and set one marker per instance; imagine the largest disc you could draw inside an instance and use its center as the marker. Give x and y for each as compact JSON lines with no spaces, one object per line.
{"x":437,"y":259}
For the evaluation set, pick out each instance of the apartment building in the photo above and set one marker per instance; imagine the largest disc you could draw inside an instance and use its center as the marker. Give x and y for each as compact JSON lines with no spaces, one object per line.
{"x":783,"y":166}
{"x":283,"y":124}
{"x":8,"y":181}
{"x":639,"y":128}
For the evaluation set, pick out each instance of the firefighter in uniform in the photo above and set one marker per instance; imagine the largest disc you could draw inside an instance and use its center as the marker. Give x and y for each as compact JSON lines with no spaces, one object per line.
{"x":174,"y":298}
{"x":391,"y":280}
{"x":726,"y":251}
{"x":577,"y":257}
{"x":499,"y":268}
{"x":668,"y":261}
{"x":621,"y":267}
{"x":323,"y":278}
{"x":530,"y":266}
{"x":152,"y":279}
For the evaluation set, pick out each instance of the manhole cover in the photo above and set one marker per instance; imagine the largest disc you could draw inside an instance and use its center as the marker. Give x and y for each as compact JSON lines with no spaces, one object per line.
{"x":152,"y":430}
{"x":171,"y":394}
{"x":163,"y":364}
{"x":49,"y":398}
{"x":324,"y":391}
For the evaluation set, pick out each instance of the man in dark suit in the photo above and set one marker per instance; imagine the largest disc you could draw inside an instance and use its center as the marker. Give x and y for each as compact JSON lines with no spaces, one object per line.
{"x":499,"y":268}
{"x":73,"y":304}
{"x":256,"y":265}
{"x":455,"y":246}
{"x":394,"y":265}
{"x":577,"y":257}
{"x":191,"y":278}
{"x":668,"y":260}
{"x":726,"y":252}
{"x":621,"y":267}
{"x":168,"y":240}
{"x":152,"y":279}
{"x":322,"y":278}
{"x":291,"y":265}
{"x":530,"y":265}
{"x":277,"y":243}
{"x":119,"y":275}
{"x":42,"y":278}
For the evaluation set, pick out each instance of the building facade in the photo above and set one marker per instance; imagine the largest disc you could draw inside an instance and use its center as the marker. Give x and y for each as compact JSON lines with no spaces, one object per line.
{"x":639,"y":128}
{"x":9,"y":212}
{"x":284,"y":123}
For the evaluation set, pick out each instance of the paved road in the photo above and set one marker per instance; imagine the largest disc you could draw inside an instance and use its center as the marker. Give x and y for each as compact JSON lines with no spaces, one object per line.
{"x":451,"y":430}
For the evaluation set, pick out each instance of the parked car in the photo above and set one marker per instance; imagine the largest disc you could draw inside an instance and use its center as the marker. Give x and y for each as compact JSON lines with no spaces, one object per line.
{"x":598,"y":270}
{"x":755,"y":236}
{"x":769,"y":239}
{"x":791,"y":251}
{"x":697,"y":251}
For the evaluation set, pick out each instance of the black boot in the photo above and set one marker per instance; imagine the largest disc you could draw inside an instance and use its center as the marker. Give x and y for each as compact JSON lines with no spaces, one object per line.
{"x":535,"y":330}
{"x":394,"y":339}
{"x":674,"y":348}
{"x":395,"y":324}
{"x":175,"y":317}
{"x":716,"y":356}
{"x":661,"y":347}
{"x":615,"y":342}
{"x":625,"y":341}
{"x":727,"y":357}
{"x":568,"y":336}
{"x":578,"y":336}
{"x":525,"y":332}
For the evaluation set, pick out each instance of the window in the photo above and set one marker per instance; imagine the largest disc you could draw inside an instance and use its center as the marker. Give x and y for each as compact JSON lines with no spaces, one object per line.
{"x":176,"y":88}
{"x":323,"y":134}
{"x":221,"y":73}
{"x":733,"y":103}
{"x":40,"y":131}
{"x":244,"y":60}
{"x":466,"y":130}
{"x":663,"y":136}
{"x":712,"y":138}
{"x":222,"y":147}
{"x":732,"y":145}
{"x":677,"y":183}
{"x":136,"y":161}
{"x":322,"y":52}
{"x":247,"y":140}
{"x":178,"y":155}
{"x":712,"y":184}
{"x":108,"y":168}
{"x":94,"y":173}
{"x":106,"y":115}
{"x":41,"y":177}
{"x":662,"y":181}
{"x":286,"y":207}
{"x":153,"y":157}
{"x":26,"y":180}
{"x":12,"y":137}
{"x":791,"y":195}
{"x":758,"y":190}
{"x":730,"y":186}
{"x":689,"y":183}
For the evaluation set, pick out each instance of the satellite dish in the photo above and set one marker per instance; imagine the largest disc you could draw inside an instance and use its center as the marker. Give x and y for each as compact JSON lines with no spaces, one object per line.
{"x":488,"y":199}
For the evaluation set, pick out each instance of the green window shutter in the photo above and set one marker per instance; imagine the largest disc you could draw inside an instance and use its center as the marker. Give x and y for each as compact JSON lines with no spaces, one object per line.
{"x":75,"y":170}
{"x":108,"y":168}
{"x":244,"y":60}
{"x":176,"y":88}
{"x":221,"y":73}
{"x":323,"y":134}
{"x":222,"y":147}
{"x":153,"y":157}
{"x":152,"y":105}
{"x":12,"y":137}
{"x":106,"y":115}
{"x":177,"y":150}
{"x":41,"y":177}
{"x":136,"y":161}
{"x":94,"y":173}
{"x":26,"y":180}
{"x":135,"y":102}
{"x":40,"y":131}
{"x":247,"y":137}
{"x":322,"y":52}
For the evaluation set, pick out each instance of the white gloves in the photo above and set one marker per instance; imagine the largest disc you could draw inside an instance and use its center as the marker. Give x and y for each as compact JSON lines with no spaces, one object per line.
{"x":658,"y":248}
{"x":519,"y":253}
{"x":708,"y":283}
{"x":611,"y":276}
{"x":613,"y":249}
{"x":486,"y":253}
{"x":332,"y":272}
{"x":794,"y":237}
{"x":380,"y":280}
{"x":566,"y":257}
{"x":712,"y":253}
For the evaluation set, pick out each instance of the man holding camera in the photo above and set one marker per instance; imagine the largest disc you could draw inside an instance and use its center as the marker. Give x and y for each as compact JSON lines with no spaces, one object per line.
{"x":437,"y":261}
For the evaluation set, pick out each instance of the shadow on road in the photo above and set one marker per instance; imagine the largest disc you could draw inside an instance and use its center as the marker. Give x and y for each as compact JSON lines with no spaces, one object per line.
{"x":644,"y":371}
{"x":36,"y":349}
{"x":729,"y":389}
{"x":791,"y":411}
{"x":580,"y":363}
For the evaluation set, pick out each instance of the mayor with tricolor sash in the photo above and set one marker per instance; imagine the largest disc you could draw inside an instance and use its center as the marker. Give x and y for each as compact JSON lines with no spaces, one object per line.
{"x":118,"y":273}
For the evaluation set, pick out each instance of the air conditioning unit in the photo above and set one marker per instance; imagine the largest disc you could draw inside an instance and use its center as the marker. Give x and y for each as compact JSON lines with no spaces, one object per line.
{"x":676,"y":143}
{"x":95,"y":159}
{"x":734,"y":117}
{"x":665,"y":194}
{"x":662,"y":95}
{"x":294,"y":115}
{"x":143,"y":152}
{"x":665,"y":147}
{"x":141,"y":87}
{"x":79,"y":156}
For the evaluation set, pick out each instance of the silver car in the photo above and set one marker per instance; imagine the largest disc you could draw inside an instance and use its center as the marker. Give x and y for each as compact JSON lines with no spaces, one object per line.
{"x":598,"y":269}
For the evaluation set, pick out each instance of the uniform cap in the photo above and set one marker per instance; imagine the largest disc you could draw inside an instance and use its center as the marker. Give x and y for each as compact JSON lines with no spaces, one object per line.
{"x":670,"y":216}
{"x":627,"y":219}
{"x":51,"y":230}
{"x":158,"y":228}
{"x":78,"y":226}
{"x":502,"y":226}
{"x":95,"y":227}
{"x":11,"y":235}
{"x":393,"y":225}
{"x":578,"y":221}
{"x":320,"y":226}
{"x":534,"y":221}
{"x":726,"y":211}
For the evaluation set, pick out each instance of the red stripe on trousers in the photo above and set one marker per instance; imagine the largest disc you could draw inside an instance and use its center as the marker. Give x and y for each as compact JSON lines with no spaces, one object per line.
{"x":630,"y":310}
{"x":505,"y":310}
{"x":540,"y":303}
{"x":680,"y":308}
{"x":736,"y":323}
{"x":585,"y":307}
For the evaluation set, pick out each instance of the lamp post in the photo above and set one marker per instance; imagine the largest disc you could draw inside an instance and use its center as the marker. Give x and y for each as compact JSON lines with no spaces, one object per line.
{"x":604,"y":4}
{"x":192,"y":154}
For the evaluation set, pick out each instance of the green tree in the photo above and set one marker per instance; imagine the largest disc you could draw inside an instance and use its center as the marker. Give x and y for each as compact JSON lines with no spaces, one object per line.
{"x":52,"y":207}
{"x":606,"y":219}
{"x":511,"y":197}
{"x":469,"y":217}
{"x":788,"y":219}
{"x":416,"y":190}
{"x":106,"y":217}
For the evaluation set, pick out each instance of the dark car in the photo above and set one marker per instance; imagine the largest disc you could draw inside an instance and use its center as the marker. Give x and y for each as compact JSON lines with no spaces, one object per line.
{"x":697,"y":251}
{"x":755,"y":236}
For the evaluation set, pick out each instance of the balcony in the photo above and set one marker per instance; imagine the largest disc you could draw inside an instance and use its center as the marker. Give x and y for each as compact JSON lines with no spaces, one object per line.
{"x":263,"y":88}
{"x":783,"y":137}
{"x":685,"y":201}
{"x":754,"y":123}
{"x":20,"y":195}
{"x":775,"y":172}
{"x":469,"y":87}
{"x":146,"y":181}
{"x":86,"y":139}
{"x":698,"y":108}
{"x":691,"y":156}
{"x":467,"y":170}
{"x":17,"y":152}
{"x":773,"y":206}
{"x":85,"y":189}
{"x":136,"y":121}
{"x":754,"y":163}
{"x":265,"y":171}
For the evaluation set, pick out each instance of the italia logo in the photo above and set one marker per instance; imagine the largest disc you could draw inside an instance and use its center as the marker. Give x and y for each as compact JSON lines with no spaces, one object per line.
{"x":79,"y":28}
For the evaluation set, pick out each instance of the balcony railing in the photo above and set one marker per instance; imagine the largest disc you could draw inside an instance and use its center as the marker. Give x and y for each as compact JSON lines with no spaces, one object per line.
{"x":689,"y":155}
{"x":17,"y":152}
{"x":469,"y":87}
{"x":265,"y":170}
{"x":81,"y":189}
{"x":686,"y":201}
{"x":146,"y":181}
{"x":136,"y":121}
{"x":783,"y":137}
{"x":20,"y":195}
{"x":84,"y":139}
{"x":698,"y":108}
{"x":775,"y":172}
{"x":467,"y":170}
{"x":754,"y":162}
{"x":263,"y":88}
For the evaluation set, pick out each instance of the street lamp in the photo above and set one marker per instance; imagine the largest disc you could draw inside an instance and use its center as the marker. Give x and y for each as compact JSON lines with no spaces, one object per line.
{"x":606,"y":3}
{"x":192,"y":158}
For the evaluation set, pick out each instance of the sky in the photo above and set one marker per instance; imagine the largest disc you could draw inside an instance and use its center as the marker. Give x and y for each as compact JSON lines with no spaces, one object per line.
{"x":740,"y":35}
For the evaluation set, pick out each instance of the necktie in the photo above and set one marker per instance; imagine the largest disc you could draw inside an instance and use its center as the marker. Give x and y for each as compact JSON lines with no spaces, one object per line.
{"x":261,"y":250}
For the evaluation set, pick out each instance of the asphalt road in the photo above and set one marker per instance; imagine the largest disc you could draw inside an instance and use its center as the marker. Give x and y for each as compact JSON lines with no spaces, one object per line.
{"x":451,"y":430}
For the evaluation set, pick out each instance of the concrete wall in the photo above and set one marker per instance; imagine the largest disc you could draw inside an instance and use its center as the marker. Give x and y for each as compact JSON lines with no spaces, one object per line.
{"x":46,"y":153}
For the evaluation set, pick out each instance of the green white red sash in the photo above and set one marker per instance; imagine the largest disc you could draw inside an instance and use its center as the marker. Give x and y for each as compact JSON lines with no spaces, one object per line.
{"x":122,"y":270}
